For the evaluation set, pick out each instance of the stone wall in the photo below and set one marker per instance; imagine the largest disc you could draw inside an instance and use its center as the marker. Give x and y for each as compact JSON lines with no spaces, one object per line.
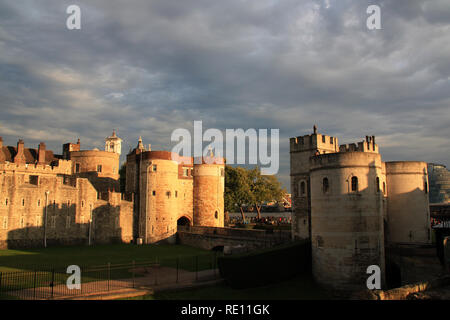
{"x":404,"y":292}
{"x":250,"y":241}
{"x":210,"y":237}
{"x":90,"y":160}
{"x":32,"y":197}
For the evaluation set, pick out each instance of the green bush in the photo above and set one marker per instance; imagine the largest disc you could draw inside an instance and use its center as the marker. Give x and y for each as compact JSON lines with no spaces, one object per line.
{"x":267,"y":266}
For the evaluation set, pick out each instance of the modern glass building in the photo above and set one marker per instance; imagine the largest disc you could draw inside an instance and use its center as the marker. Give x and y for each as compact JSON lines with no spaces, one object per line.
{"x":439,"y":180}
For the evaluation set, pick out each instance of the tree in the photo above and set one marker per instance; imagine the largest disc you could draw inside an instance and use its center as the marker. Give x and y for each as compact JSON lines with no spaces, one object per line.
{"x":245,"y":187}
{"x":237,"y":189}
{"x":264,"y":188}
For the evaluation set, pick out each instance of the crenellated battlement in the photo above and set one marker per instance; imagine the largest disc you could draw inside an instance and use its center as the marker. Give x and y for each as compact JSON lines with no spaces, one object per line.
{"x":313,"y":142}
{"x":63,"y":167}
{"x":367,"y":145}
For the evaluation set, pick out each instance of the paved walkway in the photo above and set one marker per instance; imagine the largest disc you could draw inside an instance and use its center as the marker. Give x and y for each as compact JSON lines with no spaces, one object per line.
{"x":148,"y":278}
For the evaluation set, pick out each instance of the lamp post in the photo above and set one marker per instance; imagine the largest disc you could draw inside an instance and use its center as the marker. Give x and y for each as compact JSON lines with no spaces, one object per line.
{"x":45,"y":218}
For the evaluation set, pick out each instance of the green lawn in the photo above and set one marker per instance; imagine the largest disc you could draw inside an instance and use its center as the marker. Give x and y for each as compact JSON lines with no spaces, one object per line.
{"x":37,"y":264}
{"x":301,"y":287}
{"x":28,"y":259}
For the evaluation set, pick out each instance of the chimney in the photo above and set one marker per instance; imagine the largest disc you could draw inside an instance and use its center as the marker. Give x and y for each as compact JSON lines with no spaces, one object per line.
{"x":41,"y":153}
{"x":20,"y":156}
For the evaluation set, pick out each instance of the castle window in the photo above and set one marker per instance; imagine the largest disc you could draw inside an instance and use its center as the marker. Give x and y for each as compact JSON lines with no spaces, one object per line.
{"x":192,"y":172}
{"x":377,"y":182}
{"x":176,"y":194}
{"x":302,"y":188}
{"x":5,"y":223}
{"x":82,"y":203}
{"x":425,"y":187}
{"x":319,"y":242}
{"x":216,"y":215}
{"x":331,"y":140}
{"x":323,"y":139}
{"x":185,"y":172}
{"x":6,"y":201}
{"x":23,"y":202}
{"x":354,"y":183}
{"x":325,"y":185}
{"x":154,"y":168}
{"x":384,"y":188}
{"x":168,"y":194}
{"x":77,"y":167}
{"x":34,"y":180}
{"x":154,"y":192}
{"x":99,"y":168}
{"x":39,"y":202}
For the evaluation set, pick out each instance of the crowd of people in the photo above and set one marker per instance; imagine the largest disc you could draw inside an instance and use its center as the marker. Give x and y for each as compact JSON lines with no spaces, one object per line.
{"x":440,"y":223}
{"x":271,"y":220}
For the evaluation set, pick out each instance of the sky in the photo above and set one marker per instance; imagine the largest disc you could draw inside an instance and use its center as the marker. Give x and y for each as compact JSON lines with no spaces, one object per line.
{"x":148,"y":67}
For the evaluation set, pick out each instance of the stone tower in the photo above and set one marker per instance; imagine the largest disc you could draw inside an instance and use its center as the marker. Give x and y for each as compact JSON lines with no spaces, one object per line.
{"x":408,"y":205}
{"x":171,"y":191}
{"x":346,"y":218}
{"x":113,"y":143}
{"x":301,"y":149}
{"x":352,"y":206}
{"x":209,"y":185}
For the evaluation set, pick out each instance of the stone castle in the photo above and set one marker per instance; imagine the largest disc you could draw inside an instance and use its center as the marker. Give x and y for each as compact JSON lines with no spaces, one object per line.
{"x":75,"y":198}
{"x":171,"y":190}
{"x":352,"y":206}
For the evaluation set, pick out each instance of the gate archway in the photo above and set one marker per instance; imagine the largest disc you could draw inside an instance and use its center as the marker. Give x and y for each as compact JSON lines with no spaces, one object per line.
{"x":183,"y":221}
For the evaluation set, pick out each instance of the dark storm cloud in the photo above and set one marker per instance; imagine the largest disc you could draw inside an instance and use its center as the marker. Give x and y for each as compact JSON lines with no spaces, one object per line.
{"x":148,"y":67}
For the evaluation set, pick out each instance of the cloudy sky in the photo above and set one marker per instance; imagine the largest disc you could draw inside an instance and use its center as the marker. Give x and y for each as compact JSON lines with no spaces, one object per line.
{"x":148,"y":67}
